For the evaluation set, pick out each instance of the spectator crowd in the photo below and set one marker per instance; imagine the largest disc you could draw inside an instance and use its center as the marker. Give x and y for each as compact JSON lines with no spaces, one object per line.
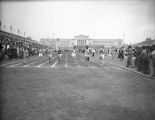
{"x":13,"y":47}
{"x":142,"y":58}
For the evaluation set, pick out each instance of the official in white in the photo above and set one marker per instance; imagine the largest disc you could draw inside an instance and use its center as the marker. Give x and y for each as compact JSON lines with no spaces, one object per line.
{"x":50,"y":55}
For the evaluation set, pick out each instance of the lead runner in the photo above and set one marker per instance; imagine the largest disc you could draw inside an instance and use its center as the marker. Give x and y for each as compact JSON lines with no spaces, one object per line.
{"x":50,"y":56}
{"x":74,"y":54}
{"x":59,"y":55}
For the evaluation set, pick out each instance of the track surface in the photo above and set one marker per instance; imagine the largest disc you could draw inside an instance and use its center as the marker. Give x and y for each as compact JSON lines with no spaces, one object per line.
{"x":74,"y":90}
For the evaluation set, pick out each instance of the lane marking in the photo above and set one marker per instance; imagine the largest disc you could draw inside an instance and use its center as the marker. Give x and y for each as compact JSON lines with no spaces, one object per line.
{"x":66,"y":61}
{"x":29,"y":61}
{"x":54,"y":65}
{"x":97,"y":62}
{"x":42,"y":64}
{"x":77,"y":63}
{"x":30,"y":64}
{"x":84,"y":61}
{"x":125,"y":69}
{"x":16,"y":64}
{"x":129,"y":70}
{"x":17,"y":61}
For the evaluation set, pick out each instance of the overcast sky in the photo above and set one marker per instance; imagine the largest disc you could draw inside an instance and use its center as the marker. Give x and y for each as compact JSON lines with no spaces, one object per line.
{"x":66,"y":19}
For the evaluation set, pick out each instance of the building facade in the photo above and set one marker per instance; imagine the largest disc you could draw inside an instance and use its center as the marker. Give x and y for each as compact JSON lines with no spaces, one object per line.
{"x":49,"y":42}
{"x":81,"y":41}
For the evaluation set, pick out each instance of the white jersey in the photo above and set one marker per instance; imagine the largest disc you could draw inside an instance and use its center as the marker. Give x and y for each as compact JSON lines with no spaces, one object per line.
{"x":50,"y":54}
{"x":73,"y":53}
{"x":40,"y":54}
{"x":93,"y":51}
{"x":87,"y":53}
{"x":102,"y":57}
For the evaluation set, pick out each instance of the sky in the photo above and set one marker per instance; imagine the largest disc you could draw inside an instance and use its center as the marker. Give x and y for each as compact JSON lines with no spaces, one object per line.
{"x":130,"y":20}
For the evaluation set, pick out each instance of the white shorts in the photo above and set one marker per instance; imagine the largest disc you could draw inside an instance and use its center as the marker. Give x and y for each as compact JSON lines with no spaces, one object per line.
{"x":50,"y":56}
{"x":73,"y":55}
{"x":40,"y":54}
{"x":59,"y":55}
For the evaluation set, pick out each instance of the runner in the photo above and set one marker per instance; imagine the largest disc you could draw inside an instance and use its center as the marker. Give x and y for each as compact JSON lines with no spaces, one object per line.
{"x":59,"y":55}
{"x":74,"y":54}
{"x":113,"y":53}
{"x":50,"y":55}
{"x":25,"y":55}
{"x":40,"y":55}
{"x":86,"y":56}
{"x":102,"y":58}
{"x":93,"y":52}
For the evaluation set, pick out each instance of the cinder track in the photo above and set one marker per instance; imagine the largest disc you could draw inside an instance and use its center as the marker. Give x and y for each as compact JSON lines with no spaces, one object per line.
{"x":39,"y":91}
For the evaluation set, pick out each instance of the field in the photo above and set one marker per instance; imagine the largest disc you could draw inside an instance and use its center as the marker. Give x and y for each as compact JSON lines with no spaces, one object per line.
{"x":74,"y":90}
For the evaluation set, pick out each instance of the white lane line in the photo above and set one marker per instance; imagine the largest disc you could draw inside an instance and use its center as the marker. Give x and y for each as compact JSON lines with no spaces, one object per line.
{"x":39,"y":64}
{"x":82,"y":59}
{"x":42,"y":64}
{"x":54,"y":63}
{"x":9,"y":63}
{"x":66,"y":61}
{"x":16,"y":64}
{"x":97,"y":62}
{"x":129,"y":69}
{"x":77,"y":63}
{"x":19,"y":61}
{"x":126,"y":69}
{"x":29,"y":61}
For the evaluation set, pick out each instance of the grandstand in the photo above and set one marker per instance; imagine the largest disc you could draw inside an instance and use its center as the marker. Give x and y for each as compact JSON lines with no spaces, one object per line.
{"x":12,"y":46}
{"x":147,"y":42}
{"x":23,"y":39}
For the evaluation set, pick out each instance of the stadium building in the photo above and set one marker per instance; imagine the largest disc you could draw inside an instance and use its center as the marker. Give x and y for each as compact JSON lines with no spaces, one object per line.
{"x":81,"y":41}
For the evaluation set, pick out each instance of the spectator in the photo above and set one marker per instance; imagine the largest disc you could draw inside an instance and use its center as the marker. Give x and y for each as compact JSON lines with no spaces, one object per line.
{"x":129,"y":59}
{"x":152,"y":61}
{"x":145,"y":60}
{"x":11,"y":46}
